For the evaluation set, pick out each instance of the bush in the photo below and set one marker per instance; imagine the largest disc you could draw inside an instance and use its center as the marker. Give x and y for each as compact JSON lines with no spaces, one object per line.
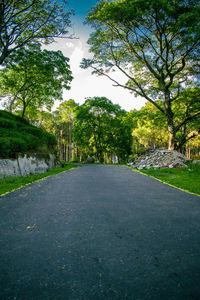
{"x":5,"y":149}
{"x":62,"y":163}
{"x":7,"y":115}
{"x":75,"y":160}
{"x":18,"y":145}
{"x":6,"y":123}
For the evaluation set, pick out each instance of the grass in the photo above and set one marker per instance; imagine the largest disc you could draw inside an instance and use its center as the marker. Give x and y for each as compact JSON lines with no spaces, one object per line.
{"x":187,"y":179}
{"x":9,"y":184}
{"x":17,"y":135}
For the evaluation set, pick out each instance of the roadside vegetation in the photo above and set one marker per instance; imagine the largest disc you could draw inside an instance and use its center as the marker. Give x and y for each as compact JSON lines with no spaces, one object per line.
{"x":17,"y":135}
{"x":186,"y":179}
{"x":9,"y":184}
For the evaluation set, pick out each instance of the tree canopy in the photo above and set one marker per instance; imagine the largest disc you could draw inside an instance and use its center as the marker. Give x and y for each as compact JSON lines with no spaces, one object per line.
{"x":26,"y":21}
{"x":34,"y":78}
{"x":99,"y":127}
{"x":155,"y":44}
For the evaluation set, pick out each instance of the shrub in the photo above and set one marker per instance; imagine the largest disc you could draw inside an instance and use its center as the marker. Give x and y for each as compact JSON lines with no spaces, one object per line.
{"x":18,"y":145}
{"x":74,"y":160}
{"x":7,"y":115}
{"x":62,"y":163}
{"x":6,"y":123}
{"x":5,"y":149}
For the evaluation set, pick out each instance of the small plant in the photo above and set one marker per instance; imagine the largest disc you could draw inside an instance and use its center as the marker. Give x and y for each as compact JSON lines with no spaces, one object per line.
{"x":62,"y":163}
{"x":75,"y":160}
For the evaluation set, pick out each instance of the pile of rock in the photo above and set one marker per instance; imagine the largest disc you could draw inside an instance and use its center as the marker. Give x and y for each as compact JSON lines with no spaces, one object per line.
{"x":160,"y":159}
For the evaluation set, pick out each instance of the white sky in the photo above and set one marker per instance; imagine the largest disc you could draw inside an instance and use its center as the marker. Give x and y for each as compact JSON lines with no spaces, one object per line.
{"x":85,"y":84}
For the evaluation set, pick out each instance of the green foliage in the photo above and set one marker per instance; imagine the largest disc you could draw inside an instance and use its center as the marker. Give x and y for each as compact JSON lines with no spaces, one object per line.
{"x":155,"y":44}
{"x":18,"y":136}
{"x":150,"y":129}
{"x":75,"y":160}
{"x":187,"y":106}
{"x":66,"y":110}
{"x":27,"y":21}
{"x":62,"y":163}
{"x":100,"y":128}
{"x":9,"y":184}
{"x":59,"y":123}
{"x":34,"y":78}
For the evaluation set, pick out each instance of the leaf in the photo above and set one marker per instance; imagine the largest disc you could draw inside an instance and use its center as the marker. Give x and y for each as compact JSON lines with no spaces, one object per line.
{"x":31,"y":227}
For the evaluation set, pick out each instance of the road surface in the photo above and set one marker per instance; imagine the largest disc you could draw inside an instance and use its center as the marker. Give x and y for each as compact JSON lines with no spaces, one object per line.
{"x":99,"y":233}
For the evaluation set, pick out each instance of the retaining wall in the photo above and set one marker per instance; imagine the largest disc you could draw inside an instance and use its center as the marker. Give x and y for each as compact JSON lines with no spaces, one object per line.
{"x":25,"y":165}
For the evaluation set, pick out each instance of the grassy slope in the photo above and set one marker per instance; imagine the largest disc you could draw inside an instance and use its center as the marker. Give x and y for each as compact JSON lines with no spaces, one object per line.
{"x":187,"y":179}
{"x":10,"y":184}
{"x":18,"y":136}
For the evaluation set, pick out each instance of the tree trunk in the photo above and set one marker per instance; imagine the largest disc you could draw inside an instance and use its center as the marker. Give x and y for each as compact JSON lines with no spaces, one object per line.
{"x":11,"y":105}
{"x":183,"y":140}
{"x":101,"y":158}
{"x":60,"y":145}
{"x":65,"y":152}
{"x":171,"y":145}
{"x":70,"y":142}
{"x":170,"y":120}
{"x":24,"y":109}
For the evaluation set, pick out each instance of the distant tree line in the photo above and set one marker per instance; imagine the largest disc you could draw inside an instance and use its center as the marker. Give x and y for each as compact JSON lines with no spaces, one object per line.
{"x":101,"y":131}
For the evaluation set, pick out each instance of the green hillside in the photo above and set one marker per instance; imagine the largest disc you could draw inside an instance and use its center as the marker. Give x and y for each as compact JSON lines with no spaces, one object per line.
{"x":17,"y":135}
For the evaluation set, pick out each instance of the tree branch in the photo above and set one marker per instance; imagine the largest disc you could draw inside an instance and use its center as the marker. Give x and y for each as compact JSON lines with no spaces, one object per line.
{"x":192,"y":136}
{"x":117,"y":84}
{"x":187,"y":120}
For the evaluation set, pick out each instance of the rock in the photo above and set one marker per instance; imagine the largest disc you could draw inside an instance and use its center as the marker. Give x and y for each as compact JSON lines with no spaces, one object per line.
{"x":25,"y":165}
{"x":161,"y":159}
{"x":90,"y":160}
{"x":140,"y":167}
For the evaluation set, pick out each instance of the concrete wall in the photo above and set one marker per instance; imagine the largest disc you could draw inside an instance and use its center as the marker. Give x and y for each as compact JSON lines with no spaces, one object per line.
{"x":25,"y":165}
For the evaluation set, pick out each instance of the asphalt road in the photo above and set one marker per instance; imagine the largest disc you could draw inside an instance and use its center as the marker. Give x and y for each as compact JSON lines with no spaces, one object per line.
{"x":99,"y":233}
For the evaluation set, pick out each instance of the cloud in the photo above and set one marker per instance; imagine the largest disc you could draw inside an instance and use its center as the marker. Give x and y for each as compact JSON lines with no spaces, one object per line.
{"x":76,"y":58}
{"x":86,"y":85}
{"x":69,"y":45}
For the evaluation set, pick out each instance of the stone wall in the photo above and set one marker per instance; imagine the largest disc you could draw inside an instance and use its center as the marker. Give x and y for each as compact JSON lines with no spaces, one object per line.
{"x":25,"y":165}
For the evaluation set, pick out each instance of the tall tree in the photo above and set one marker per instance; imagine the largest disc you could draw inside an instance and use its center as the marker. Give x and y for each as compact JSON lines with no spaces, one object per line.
{"x":155,"y":44}
{"x":150,"y":130}
{"x":35,"y":78}
{"x":186,"y":106}
{"x":25,"y":21}
{"x":66,"y":112}
{"x":98,"y":125}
